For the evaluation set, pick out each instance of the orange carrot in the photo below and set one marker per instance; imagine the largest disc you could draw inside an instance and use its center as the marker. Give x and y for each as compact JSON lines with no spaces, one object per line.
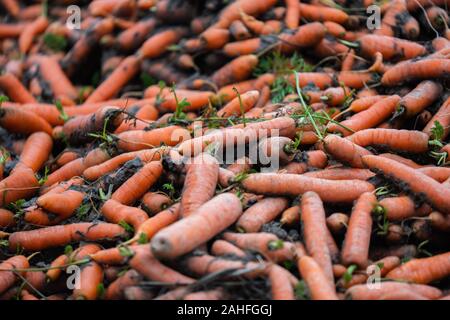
{"x":316,"y":13}
{"x":136,"y":186}
{"x":292,"y":18}
{"x":420,"y":98}
{"x":423,"y":270}
{"x":292,"y":184}
{"x":157,"y":44}
{"x":15,"y":89}
{"x":239,"y":105}
{"x":133,"y":37}
{"x":376,"y":291}
{"x":31,"y":31}
{"x":357,"y":238}
{"x":55,"y":236}
{"x":237,"y":70}
{"x":402,"y":207}
{"x":153,"y":202}
{"x":205,"y":222}
{"x":8,"y":278}
{"x":134,"y":140}
{"x":418,"y":182}
{"x":412,"y":70}
{"x":260,"y":213}
{"x":17,"y":120}
{"x":36,"y":151}
{"x":224,"y":248}
{"x":318,"y":284}
{"x":442,"y":117}
{"x":200,"y":183}
{"x":116,"y":212}
{"x":115,"y":290}
{"x":20,"y":184}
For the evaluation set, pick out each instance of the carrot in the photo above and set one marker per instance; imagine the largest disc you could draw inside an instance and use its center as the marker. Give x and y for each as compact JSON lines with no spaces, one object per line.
{"x":12,"y":6}
{"x":116,"y":212}
{"x":6,"y":218}
{"x":55,"y":236}
{"x":146,"y":264}
{"x":439,"y":221}
{"x":232,"y":11}
{"x":372,"y":292}
{"x":260,"y":213}
{"x":281,"y":289}
{"x":215,"y":294}
{"x":423,"y":270}
{"x":259,"y":27}
{"x":401,"y":140}
{"x":136,"y":186}
{"x":153,"y":202}
{"x":196,"y":99}
{"x":62,"y":204}
{"x":8,"y":278}
{"x":239,"y":105}
{"x":31,"y":31}
{"x":315,"y":13}
{"x":225,"y":248}
{"x":115,"y":290}
{"x":17,"y":120}
{"x":442,"y":117}
{"x":438,"y":17}
{"x":134,"y":140}
{"x":291,"y":184}
{"x":133,"y":37}
{"x":91,"y":277}
{"x":318,"y":284}
{"x":290,"y":216}
{"x":236,"y":70}
{"x":79,"y":129}
{"x":314,"y":231}
{"x":200,"y":183}
{"x":341,"y":174}
{"x":112,"y":85}
{"x":357,"y":239}
{"x":274,"y":149}
{"x":214,"y":38}
{"x":416,"y":181}
{"x":439,"y":174}
{"x":20,"y":184}
{"x":368,"y":118}
{"x":412,"y":70}
{"x":420,"y":98}
{"x":82,"y":47}
{"x":97,"y":170}
{"x":207,"y":221}
{"x":206,"y":264}
{"x":389,"y":47}
{"x":157,"y":44}
{"x":239,"y":31}
{"x":267,"y":244}
{"x":36,"y":151}
{"x":305,"y":36}
{"x":292,"y":18}
{"x":337,"y":222}
{"x":402,"y":207}
{"x":15,"y":89}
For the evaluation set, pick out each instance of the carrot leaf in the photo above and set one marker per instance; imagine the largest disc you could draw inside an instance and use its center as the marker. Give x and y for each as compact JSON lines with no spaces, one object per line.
{"x":62,"y":113}
{"x":301,"y":291}
{"x":275,"y":245}
{"x":125,"y":251}
{"x":126,"y":226}
{"x":3,"y":98}
{"x":45,"y":177}
{"x":348,"y":275}
{"x":82,"y":211}
{"x":68,"y":250}
{"x":437,"y":133}
{"x":100,"y":290}
{"x":143,"y":238}
{"x":55,"y":42}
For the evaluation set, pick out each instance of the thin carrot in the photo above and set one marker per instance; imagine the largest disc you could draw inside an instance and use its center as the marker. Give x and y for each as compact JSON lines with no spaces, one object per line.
{"x":292,"y":18}
{"x":38,"y":239}
{"x":418,"y":182}
{"x":292,"y":184}
{"x":318,"y":284}
{"x":357,"y":238}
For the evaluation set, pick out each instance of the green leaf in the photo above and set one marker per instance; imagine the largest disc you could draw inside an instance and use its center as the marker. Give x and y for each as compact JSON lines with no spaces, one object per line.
{"x":4,"y":243}
{"x":126,"y":226}
{"x":168,"y":187}
{"x":302,"y":291}
{"x":100,"y":290}
{"x":62,"y":113}
{"x":4,"y":155}
{"x":83,"y":210}
{"x":147,"y":80}
{"x":125,"y":251}
{"x":275,"y":245}
{"x":45,"y":177}
{"x":55,"y":42}
{"x":3,"y":98}
{"x":349,"y":273}
{"x":437,"y":132}
{"x":143,"y":239}
{"x":68,"y":250}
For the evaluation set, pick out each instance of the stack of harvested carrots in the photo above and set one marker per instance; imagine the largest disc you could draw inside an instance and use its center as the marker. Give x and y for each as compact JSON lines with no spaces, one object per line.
{"x":113,"y":133}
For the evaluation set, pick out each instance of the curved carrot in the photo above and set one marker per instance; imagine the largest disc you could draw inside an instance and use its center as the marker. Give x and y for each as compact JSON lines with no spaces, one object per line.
{"x":116,"y":212}
{"x":357,"y":238}
{"x":31,"y":31}
{"x":206,"y":222}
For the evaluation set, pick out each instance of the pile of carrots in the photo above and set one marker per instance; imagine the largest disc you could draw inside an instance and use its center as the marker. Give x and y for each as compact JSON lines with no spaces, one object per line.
{"x":113,"y":132}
